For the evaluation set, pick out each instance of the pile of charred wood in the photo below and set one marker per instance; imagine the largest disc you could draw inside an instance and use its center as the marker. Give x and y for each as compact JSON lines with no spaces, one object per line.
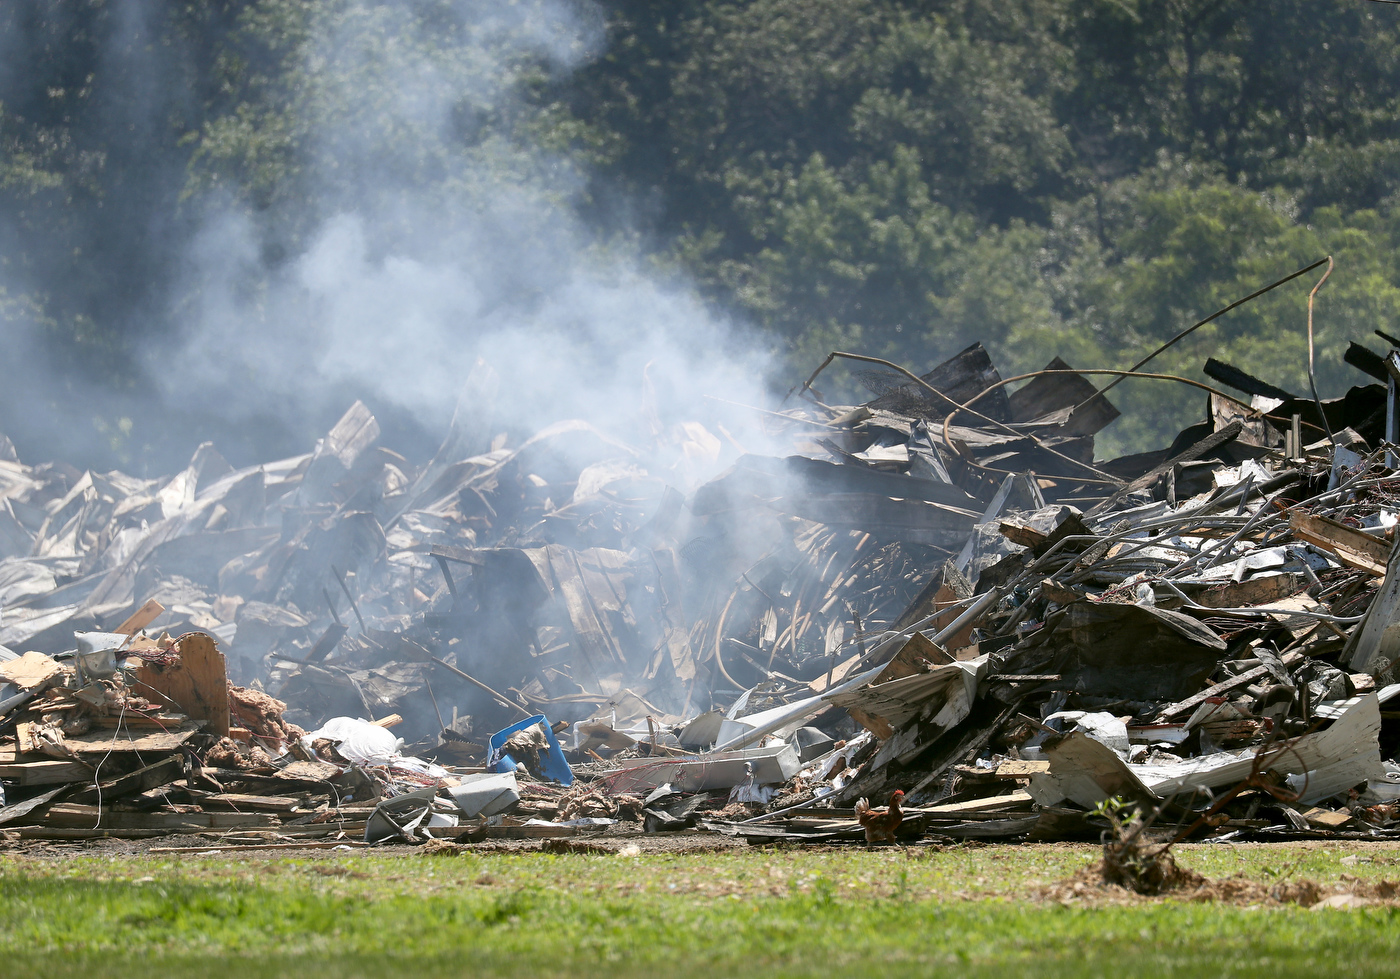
{"x":941,"y":591}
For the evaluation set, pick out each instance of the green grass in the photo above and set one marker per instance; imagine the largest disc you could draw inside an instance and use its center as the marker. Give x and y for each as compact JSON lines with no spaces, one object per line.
{"x":852,"y":912}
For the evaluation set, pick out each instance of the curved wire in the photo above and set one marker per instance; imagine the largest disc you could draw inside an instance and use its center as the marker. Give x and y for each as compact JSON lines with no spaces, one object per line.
{"x":719,"y":639}
{"x":922,"y":383}
{"x":1070,"y":370}
{"x":1312,"y":373}
{"x":1210,"y":319}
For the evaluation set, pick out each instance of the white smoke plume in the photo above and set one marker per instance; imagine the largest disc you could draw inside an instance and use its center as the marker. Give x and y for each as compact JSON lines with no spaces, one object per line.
{"x":431,"y":230}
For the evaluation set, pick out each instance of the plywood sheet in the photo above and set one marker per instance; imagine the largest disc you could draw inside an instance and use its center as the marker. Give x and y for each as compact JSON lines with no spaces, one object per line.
{"x":197,"y":684}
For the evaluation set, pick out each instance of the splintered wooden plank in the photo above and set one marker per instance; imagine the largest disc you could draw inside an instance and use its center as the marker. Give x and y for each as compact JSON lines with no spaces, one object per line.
{"x":1298,"y":626}
{"x":141,"y":618}
{"x":164,"y":722}
{"x":1355,"y":548}
{"x":1224,"y":686}
{"x":1254,"y":591}
{"x":1319,"y":818}
{"x":31,"y":738}
{"x":32,"y":671}
{"x":63,"y":833}
{"x":156,"y":742}
{"x":328,"y":641}
{"x":243,"y":802}
{"x":1021,"y":769}
{"x":1012,"y":800}
{"x":876,"y":725}
{"x":836,"y":675}
{"x":94,"y":817}
{"x":918,"y":653}
{"x":1206,"y":445}
{"x":153,"y":776}
{"x":197,"y":684}
{"x":1019,"y":534}
{"x":356,"y":431}
{"x":49,"y":772}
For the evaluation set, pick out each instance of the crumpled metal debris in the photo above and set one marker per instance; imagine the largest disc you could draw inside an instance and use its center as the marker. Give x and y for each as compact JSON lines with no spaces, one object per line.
{"x":941,"y":591}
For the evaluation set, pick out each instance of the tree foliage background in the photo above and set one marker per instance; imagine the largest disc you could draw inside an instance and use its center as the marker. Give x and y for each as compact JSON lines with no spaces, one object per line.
{"x":902,"y":177}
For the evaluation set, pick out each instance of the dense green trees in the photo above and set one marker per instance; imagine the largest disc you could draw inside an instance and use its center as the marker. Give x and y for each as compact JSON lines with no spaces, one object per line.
{"x":1086,"y":177}
{"x":1082,"y":177}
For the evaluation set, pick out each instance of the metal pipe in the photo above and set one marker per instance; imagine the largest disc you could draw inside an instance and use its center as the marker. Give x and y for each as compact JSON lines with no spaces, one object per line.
{"x":498,"y":697}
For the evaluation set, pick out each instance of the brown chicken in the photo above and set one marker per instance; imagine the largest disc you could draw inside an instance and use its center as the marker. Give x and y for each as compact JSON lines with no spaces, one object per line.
{"x":881,"y":824}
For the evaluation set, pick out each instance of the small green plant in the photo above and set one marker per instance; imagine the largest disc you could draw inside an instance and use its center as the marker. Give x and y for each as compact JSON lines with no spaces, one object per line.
{"x":1130,"y":859}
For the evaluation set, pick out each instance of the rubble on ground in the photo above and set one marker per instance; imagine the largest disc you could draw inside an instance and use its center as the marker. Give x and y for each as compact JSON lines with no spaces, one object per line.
{"x":941,"y":592}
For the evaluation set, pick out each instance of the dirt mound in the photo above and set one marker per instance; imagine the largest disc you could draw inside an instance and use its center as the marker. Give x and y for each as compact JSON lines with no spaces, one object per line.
{"x":1090,"y":887}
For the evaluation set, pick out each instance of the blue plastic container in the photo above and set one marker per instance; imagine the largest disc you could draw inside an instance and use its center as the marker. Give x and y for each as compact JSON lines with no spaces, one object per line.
{"x":555,"y":766}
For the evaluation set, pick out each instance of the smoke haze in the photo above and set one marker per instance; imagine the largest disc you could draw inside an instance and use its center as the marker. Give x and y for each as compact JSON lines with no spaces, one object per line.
{"x":425,"y":230}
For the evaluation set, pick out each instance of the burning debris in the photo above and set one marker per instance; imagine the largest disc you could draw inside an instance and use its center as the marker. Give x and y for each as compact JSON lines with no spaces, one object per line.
{"x":938,"y":598}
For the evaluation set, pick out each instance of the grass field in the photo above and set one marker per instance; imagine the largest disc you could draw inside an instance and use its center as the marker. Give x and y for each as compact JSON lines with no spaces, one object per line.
{"x":919,"y":912}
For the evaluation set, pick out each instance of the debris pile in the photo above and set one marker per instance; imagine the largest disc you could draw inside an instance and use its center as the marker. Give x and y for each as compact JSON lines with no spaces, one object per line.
{"x":939,"y":598}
